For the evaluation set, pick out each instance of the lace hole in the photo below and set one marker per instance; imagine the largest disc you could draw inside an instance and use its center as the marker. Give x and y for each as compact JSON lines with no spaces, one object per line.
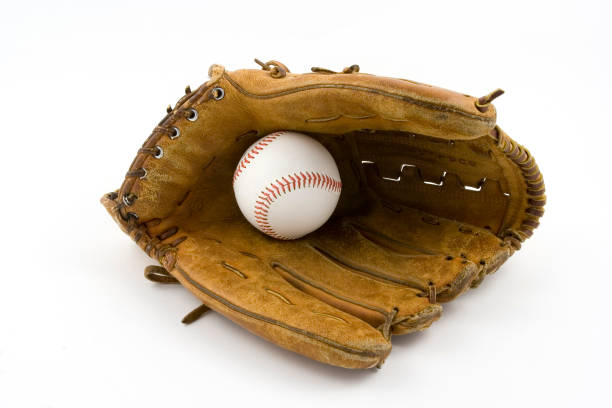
{"x":192,"y":115}
{"x":160,"y":152}
{"x":126,"y":200}
{"x":144,"y":173}
{"x":174,"y":132}
{"x":218,"y":93}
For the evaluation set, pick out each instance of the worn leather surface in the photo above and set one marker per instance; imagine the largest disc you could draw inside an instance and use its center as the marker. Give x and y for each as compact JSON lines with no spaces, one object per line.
{"x":435,"y":197}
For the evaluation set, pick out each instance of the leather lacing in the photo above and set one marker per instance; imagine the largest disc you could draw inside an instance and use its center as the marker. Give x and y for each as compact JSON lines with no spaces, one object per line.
{"x":275,"y":68}
{"x":166,"y":127}
{"x":484,"y":102}
{"x":353,"y":69}
{"x":125,"y":198}
{"x":128,"y":198}
{"x":280,"y":70}
{"x":156,"y":151}
{"x":535,"y":187}
{"x":159,"y":274}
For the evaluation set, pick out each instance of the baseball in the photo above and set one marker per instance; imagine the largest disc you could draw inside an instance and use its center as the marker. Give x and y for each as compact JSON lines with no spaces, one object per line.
{"x":287,"y":185}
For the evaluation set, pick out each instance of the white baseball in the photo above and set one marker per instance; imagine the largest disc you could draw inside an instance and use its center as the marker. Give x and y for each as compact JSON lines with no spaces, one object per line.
{"x":287,"y":185}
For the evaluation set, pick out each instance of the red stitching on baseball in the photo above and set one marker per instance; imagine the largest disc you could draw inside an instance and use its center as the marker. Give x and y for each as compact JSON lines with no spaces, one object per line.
{"x":259,"y":146}
{"x":277,"y":188}
{"x":298,"y":181}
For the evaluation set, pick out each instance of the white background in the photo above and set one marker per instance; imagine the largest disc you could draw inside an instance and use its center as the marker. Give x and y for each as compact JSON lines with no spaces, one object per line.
{"x":81,"y":87}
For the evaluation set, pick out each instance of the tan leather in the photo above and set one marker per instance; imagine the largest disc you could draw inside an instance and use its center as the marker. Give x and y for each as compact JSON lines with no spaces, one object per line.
{"x":435,"y":196}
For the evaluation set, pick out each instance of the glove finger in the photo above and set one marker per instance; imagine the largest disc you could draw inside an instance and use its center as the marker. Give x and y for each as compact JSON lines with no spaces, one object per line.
{"x":249,"y":292}
{"x":425,"y":270}
{"x":389,"y":306}
{"x":409,"y":231}
{"x":402,"y":306}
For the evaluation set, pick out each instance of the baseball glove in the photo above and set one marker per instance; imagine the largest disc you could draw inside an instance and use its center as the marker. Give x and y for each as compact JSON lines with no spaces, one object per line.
{"x":434,"y":197}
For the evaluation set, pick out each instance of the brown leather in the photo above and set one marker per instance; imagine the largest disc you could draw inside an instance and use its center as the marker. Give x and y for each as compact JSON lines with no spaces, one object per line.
{"x":435,"y":197}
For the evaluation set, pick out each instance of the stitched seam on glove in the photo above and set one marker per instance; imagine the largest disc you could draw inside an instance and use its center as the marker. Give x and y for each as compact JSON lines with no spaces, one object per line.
{"x":297,"y":330}
{"x":428,"y":105}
